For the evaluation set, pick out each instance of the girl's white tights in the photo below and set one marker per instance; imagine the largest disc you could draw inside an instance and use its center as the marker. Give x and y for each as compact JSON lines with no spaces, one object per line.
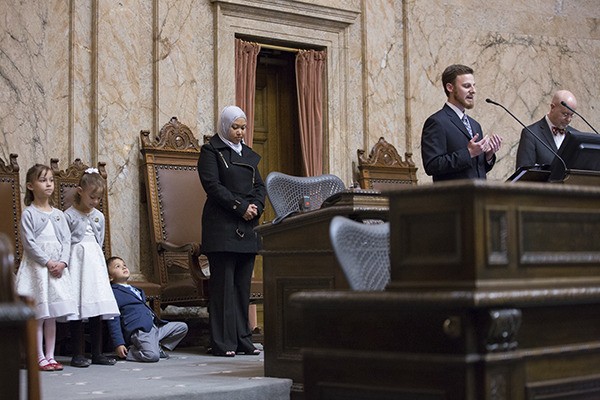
{"x":46,"y":340}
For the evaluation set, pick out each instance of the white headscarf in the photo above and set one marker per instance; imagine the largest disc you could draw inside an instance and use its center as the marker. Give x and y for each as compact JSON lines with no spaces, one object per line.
{"x":228,"y":115}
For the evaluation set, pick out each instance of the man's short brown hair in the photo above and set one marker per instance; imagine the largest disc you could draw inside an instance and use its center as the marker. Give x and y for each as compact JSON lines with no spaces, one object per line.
{"x":451,"y":72}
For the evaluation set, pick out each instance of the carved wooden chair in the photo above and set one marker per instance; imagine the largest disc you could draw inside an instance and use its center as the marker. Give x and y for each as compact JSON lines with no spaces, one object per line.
{"x":17,"y":320}
{"x":383,"y":168}
{"x":17,"y":317}
{"x":65,"y":185}
{"x":363,"y":251}
{"x":10,"y":205}
{"x":175,"y":199}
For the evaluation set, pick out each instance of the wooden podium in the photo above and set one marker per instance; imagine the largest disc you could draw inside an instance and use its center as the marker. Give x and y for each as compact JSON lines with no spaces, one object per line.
{"x":566,"y":176}
{"x":494,"y":295}
{"x":580,"y":177}
{"x":297,"y":255}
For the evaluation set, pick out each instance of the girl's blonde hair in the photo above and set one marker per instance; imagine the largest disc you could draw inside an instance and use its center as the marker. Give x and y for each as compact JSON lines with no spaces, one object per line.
{"x":34,"y":174}
{"x":89,"y":180}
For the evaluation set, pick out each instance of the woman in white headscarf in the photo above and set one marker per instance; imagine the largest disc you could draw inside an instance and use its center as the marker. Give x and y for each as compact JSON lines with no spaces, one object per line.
{"x":235,"y":192}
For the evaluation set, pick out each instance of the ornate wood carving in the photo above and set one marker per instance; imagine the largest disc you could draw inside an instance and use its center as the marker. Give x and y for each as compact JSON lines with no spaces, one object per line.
{"x":501,"y":327}
{"x":68,"y":179}
{"x":168,"y":160}
{"x":74,"y":171}
{"x":498,"y":387}
{"x":173,"y":136}
{"x":18,"y":328}
{"x":384,"y":167}
{"x":12,"y":165}
{"x":384,"y":154}
{"x":11,"y":216}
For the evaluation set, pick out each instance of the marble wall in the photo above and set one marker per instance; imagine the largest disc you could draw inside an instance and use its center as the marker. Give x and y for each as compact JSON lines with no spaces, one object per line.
{"x":82,"y":78}
{"x":522,"y":52}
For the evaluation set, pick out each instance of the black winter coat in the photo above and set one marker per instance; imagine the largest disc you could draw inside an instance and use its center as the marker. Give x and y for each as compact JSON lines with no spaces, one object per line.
{"x":231,"y":182}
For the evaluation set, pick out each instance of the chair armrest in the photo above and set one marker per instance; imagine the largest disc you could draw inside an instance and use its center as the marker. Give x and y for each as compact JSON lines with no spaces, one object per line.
{"x":168,"y":246}
{"x":198,"y":262}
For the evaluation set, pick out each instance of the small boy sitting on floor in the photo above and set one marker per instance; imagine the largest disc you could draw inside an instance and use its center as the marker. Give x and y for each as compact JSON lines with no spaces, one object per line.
{"x":138,"y":327}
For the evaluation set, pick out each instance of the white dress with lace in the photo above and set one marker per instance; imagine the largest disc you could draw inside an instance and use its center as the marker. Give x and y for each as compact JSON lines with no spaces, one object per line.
{"x":91,"y":285}
{"x":52,"y":296}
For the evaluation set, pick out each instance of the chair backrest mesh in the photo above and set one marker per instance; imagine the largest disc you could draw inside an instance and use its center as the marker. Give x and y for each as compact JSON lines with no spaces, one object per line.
{"x":363,"y":251}
{"x":286,"y":191}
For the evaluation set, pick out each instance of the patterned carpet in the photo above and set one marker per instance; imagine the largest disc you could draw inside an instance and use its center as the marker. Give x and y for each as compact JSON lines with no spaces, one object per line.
{"x":189,"y":373}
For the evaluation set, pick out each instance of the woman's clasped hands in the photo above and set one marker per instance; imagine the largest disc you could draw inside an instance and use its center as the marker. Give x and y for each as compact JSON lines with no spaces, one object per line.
{"x":251,"y":212}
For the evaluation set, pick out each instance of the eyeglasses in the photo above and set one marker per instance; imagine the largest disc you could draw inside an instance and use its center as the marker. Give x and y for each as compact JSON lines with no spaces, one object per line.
{"x":568,"y":115}
{"x":565,"y":114}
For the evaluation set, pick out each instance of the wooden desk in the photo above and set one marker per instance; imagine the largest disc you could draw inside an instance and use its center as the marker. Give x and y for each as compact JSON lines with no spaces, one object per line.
{"x":297,"y":255}
{"x":495,"y":294}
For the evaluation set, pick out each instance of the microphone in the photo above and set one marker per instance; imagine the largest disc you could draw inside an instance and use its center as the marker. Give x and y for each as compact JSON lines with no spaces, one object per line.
{"x":530,"y":131}
{"x":576,"y":113}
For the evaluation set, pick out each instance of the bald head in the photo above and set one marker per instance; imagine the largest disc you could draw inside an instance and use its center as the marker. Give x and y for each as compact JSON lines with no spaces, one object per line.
{"x":560,"y":115}
{"x":566,"y":96}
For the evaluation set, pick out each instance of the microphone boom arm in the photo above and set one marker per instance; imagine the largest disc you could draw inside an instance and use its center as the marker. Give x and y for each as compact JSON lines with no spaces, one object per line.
{"x":579,"y":115}
{"x":529,"y":130}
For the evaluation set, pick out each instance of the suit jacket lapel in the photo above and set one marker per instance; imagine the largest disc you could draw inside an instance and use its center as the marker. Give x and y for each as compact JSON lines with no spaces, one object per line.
{"x":126,"y":290}
{"x":456,"y":121}
{"x":548,"y":135}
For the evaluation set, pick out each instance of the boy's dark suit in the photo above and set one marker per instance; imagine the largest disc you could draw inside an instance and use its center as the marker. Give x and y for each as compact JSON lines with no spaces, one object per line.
{"x":136,"y":321}
{"x":135,"y":314}
{"x":444,"y":148}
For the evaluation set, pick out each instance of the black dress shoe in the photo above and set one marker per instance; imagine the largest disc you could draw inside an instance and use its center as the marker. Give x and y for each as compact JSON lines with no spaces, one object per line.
{"x":80,"y":362}
{"x":250,"y":352}
{"x":103,"y":360}
{"x":224,"y":354}
{"x":220,"y":353}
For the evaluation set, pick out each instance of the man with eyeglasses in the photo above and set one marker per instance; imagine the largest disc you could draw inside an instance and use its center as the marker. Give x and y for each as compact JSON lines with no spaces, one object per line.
{"x":552,"y":129}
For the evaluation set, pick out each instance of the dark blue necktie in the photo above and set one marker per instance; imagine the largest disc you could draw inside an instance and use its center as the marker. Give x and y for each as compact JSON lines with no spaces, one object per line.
{"x":465,"y":121}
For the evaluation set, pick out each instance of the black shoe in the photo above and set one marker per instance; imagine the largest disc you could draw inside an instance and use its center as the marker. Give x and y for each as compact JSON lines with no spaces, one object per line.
{"x":220,"y":353}
{"x":80,"y":362}
{"x":163,"y":354}
{"x":101,"y":359}
{"x":252,"y":352}
{"x":224,"y":354}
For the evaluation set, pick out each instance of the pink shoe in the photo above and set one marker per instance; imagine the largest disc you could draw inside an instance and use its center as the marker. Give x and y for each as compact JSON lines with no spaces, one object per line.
{"x":55,"y":364}
{"x":44,"y":365}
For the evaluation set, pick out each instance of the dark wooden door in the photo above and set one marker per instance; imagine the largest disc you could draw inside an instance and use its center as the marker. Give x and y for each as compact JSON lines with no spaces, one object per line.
{"x":276,"y":134}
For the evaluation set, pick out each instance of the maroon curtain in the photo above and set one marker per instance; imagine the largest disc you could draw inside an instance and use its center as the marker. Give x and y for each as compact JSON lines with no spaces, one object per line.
{"x":310,"y":68}
{"x":246,"y":55}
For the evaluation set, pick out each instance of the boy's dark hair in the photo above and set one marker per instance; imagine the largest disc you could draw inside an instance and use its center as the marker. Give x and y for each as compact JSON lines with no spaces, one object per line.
{"x":111,"y":259}
{"x":451,"y":72}
{"x":33,"y":174}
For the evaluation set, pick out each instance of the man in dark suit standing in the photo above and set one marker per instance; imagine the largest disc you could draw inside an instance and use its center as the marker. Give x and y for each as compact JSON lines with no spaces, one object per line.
{"x":551,"y":129}
{"x":452,"y":143}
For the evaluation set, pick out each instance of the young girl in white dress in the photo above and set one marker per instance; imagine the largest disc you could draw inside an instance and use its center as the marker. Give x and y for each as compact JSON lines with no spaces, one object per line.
{"x":91,"y":285}
{"x":43,"y":274}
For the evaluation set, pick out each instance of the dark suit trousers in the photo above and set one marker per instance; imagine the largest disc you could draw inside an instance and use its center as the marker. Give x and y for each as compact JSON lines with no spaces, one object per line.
{"x":229,"y":284}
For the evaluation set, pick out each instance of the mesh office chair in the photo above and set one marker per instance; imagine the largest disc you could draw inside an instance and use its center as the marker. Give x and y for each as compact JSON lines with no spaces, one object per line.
{"x":363,"y":251}
{"x":287,"y":192}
